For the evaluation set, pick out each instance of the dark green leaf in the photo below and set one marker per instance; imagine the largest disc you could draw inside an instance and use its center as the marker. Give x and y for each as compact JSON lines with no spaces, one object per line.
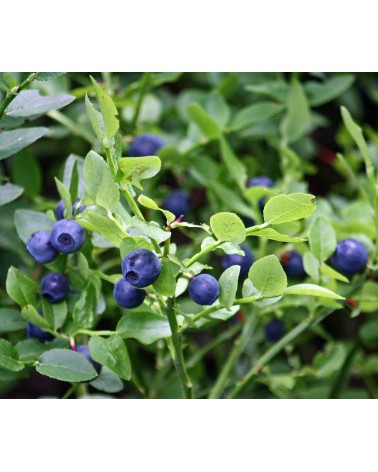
{"x":111,"y":353}
{"x":9,"y":192}
{"x":26,"y":173}
{"x":29,"y":313}
{"x":10,"y":320}
{"x":254,"y":114}
{"x":268,"y":276}
{"x":166,"y":283}
{"x":228,"y":282}
{"x":296,"y":122}
{"x":146,"y":327}
{"x":107,"y":381}
{"x":20,"y":288}
{"x":13,"y":141}
{"x":9,"y":357}
{"x":66,"y":365}
{"x":320,"y":93}
{"x":29,"y":103}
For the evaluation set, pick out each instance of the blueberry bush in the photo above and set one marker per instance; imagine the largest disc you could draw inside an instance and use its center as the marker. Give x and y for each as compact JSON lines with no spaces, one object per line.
{"x":188,"y":235}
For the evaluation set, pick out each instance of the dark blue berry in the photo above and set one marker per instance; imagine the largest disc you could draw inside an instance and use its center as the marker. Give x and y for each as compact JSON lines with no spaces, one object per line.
{"x":83,"y":349}
{"x":40,"y":248}
{"x":248,"y":222}
{"x":60,"y":208}
{"x":126,"y":295}
{"x":292,"y":263}
{"x":204,"y":289}
{"x":34,"y":331}
{"x":145,"y":145}
{"x":350,"y":257}
{"x":141,"y":268}
{"x":244,"y":262}
{"x":54,"y":287}
{"x":274,"y":330}
{"x":260,"y":181}
{"x":67,"y":236}
{"x":177,"y":202}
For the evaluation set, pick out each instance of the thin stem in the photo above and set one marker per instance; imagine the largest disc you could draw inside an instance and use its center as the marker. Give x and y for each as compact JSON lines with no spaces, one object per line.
{"x":69,"y":392}
{"x":143,"y":90}
{"x":110,"y":159}
{"x":239,"y":347}
{"x":12,"y":94}
{"x":344,"y":372}
{"x":71,"y":125}
{"x":204,"y":251}
{"x":178,"y":360}
{"x":93,"y":333}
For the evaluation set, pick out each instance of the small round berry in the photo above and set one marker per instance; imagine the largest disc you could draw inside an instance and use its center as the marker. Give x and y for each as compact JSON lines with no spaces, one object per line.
{"x":84,"y":350}
{"x":141,"y":268}
{"x":350,"y":257}
{"x":145,"y":145}
{"x":67,"y":236}
{"x":54,"y":287}
{"x":274,"y":330}
{"x":60,"y":208}
{"x":40,"y":248}
{"x":126,"y":295}
{"x":177,"y":202}
{"x":292,"y":263}
{"x":204,"y":289}
{"x":244,"y":262}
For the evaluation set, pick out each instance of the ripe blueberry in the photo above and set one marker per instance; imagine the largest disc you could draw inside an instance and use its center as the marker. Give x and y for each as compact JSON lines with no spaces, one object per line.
{"x":292,"y":263}
{"x":83,"y":349}
{"x":177,"y":202}
{"x":145,"y":145}
{"x":34,"y":331}
{"x":141,"y":268}
{"x":67,"y":236}
{"x":248,"y":222}
{"x":274,"y":330}
{"x":59,"y":210}
{"x":54,"y":287}
{"x":260,"y":181}
{"x":350,"y":257}
{"x":40,"y":248}
{"x":244,"y":262}
{"x":126,"y":295}
{"x":204,"y":289}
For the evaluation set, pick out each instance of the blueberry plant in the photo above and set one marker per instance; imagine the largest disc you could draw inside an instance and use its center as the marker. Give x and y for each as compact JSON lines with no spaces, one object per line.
{"x":183,"y":255}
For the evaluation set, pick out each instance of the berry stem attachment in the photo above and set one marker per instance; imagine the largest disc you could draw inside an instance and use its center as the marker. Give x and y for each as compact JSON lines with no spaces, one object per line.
{"x":178,"y":360}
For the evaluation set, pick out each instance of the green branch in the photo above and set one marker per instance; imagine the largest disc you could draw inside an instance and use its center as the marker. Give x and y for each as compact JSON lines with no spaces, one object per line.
{"x":12,"y":94}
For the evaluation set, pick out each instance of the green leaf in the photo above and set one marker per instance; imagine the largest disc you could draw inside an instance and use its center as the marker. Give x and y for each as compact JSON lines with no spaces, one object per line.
{"x":217,"y":108}
{"x":69,"y":178}
{"x":296,"y":122}
{"x":28,"y":222}
{"x":104,"y":226}
{"x":13,"y":141}
{"x":228,"y":227}
{"x":9,"y":357}
{"x":166,"y":283}
{"x":286,"y":208}
{"x":130,"y":244}
{"x":111,"y":353}
{"x":65,"y":196}
{"x":99,"y":182}
{"x":43,"y":76}
{"x":9,"y":192}
{"x":322,"y":239}
{"x":208,"y":127}
{"x":234,"y":165}
{"x":10,"y":320}
{"x":29,"y":313}
{"x":330,"y":361}
{"x":20,"y":288}
{"x":74,"y":182}
{"x":313,"y":290}
{"x":29,"y":103}
{"x":274,"y":235}
{"x":83,"y":312}
{"x":4,"y":84}
{"x":136,"y":169}
{"x":107,"y":381}
{"x":276,"y":89}
{"x":254,"y":114}
{"x":331,"y":273}
{"x":368,"y":298}
{"x":108,"y":110}
{"x":26,"y":173}
{"x":149,"y":203}
{"x":150,"y":229}
{"x":66,"y":365}
{"x":228,"y":282}
{"x":268,"y":276}
{"x":230,"y":198}
{"x":96,"y":120}
{"x":29,"y":350}
{"x":146,"y":327}
{"x":320,"y":93}
{"x":311,"y":265}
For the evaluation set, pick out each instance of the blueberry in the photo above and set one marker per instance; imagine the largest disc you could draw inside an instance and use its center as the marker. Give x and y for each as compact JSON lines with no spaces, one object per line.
{"x":40,"y":248}
{"x":83,"y":349}
{"x":292,"y":263}
{"x":141,"y":268}
{"x":350,"y":257}
{"x":260,"y":181}
{"x":244,"y":262}
{"x":34,"y":331}
{"x":67,"y":236}
{"x":60,"y":208}
{"x":126,"y":295}
{"x":54,"y":287}
{"x":274,"y":330}
{"x":177,"y":202}
{"x":145,"y":145}
{"x":204,"y":289}
{"x":248,"y":222}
